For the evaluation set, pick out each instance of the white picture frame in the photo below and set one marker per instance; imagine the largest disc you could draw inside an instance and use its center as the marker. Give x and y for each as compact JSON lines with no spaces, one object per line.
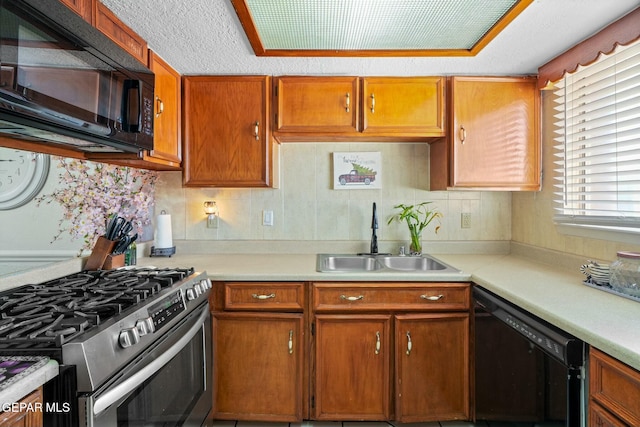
{"x":357,"y":170}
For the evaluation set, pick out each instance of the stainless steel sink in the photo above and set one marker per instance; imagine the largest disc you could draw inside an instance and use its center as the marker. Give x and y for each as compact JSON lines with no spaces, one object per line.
{"x":345,"y":263}
{"x":349,"y":263}
{"x":413,"y":263}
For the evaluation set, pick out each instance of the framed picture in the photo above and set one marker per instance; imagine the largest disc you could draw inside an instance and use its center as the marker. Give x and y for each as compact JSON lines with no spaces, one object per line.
{"x":357,"y":171}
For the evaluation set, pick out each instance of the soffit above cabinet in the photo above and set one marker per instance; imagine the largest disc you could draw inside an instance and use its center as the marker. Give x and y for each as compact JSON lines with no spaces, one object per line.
{"x":374,"y":27}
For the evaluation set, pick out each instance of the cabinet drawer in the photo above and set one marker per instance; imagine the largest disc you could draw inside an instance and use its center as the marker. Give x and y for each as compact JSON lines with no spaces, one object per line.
{"x":267,"y":296}
{"x":391,"y":296}
{"x":615,"y":386}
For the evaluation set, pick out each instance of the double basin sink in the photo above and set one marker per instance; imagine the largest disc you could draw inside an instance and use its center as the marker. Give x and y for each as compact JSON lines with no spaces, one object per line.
{"x":350,"y":263}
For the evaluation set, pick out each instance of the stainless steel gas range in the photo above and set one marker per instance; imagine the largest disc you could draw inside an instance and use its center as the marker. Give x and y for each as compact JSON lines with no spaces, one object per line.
{"x":134,"y":345}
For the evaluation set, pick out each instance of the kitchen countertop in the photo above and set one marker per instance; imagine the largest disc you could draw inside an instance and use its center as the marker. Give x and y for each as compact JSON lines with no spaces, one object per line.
{"x":16,"y":390}
{"x":556,"y":294}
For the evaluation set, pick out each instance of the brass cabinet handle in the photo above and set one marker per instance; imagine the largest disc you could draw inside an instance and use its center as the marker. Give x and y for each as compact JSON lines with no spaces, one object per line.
{"x":290,"y":341}
{"x":159,"y":106}
{"x":262,"y":297}
{"x":256,"y":131}
{"x":409,"y":343}
{"x":373,"y":103}
{"x":377,"y":342}
{"x":432,"y":297}
{"x":348,"y":102}
{"x":463,"y":134}
{"x":358,"y":298}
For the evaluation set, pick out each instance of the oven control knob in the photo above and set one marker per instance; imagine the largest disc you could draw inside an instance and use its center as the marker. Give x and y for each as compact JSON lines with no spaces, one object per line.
{"x":145,"y":326}
{"x":197,"y":289}
{"x":206,"y":284}
{"x":191,"y":294}
{"x":129,"y":337}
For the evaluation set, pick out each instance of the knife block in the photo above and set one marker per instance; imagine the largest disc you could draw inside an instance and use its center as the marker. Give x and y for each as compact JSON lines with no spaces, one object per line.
{"x":101,"y":250}
{"x":113,"y":261}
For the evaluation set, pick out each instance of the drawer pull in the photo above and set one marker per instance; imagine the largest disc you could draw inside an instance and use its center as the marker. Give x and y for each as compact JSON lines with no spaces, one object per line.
{"x":409,"y":343}
{"x":256,"y":130}
{"x":377,"y":342}
{"x":262,"y":297}
{"x":358,"y":298}
{"x":348,"y":104}
{"x":432,"y":297}
{"x":290,"y":341}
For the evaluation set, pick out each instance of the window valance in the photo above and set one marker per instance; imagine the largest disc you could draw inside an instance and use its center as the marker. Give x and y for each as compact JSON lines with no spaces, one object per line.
{"x":622,"y":32}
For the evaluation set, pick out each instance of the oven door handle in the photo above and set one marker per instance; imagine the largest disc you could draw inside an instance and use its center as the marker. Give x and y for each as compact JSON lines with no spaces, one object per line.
{"x":131,"y":383}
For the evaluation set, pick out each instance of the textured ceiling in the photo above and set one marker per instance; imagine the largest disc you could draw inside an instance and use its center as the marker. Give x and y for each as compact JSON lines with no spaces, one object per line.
{"x":205,"y":37}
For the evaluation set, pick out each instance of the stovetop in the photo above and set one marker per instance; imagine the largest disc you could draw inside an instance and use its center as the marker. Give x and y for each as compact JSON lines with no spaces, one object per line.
{"x":48,"y":314}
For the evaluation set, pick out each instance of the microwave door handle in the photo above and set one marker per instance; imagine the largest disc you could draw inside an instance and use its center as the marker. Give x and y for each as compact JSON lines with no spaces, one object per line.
{"x":134,"y":381}
{"x":132,"y":106}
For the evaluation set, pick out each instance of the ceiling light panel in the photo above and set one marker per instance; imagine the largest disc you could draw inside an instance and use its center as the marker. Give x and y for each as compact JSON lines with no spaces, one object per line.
{"x":375,"y":24}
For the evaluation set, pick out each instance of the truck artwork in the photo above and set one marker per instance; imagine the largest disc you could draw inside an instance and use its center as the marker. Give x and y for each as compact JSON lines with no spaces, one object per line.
{"x":357,"y":175}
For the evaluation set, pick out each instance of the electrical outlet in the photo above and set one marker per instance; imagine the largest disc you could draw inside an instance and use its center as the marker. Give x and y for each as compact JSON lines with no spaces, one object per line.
{"x":465,"y":220}
{"x":267,"y":218}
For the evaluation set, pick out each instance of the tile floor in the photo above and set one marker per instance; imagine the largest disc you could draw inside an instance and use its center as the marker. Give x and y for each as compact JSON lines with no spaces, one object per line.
{"x":379,"y":424}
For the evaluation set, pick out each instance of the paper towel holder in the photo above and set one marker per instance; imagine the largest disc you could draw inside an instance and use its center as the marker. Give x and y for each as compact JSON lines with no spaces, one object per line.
{"x":213,"y":213}
{"x":162,"y":252}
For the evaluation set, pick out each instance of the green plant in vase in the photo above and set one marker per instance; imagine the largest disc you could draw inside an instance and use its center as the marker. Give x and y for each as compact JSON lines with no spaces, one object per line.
{"x":417,"y":218}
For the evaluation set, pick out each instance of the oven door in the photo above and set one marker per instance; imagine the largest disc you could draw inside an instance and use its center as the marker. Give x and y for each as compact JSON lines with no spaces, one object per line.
{"x":168,"y":385}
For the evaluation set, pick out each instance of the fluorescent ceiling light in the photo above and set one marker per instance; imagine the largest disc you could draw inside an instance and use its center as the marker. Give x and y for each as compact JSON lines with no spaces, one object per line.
{"x":374,"y":27}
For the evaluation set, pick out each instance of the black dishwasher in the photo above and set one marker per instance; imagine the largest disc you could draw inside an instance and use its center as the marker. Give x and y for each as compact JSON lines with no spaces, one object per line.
{"x":527,"y":370}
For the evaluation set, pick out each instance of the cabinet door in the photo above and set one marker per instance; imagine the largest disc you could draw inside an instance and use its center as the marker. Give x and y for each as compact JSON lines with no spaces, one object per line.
{"x":432,"y":367}
{"x":494,"y":133}
{"x":352,"y":367}
{"x":410,"y":106}
{"x":166,"y":125}
{"x":25,"y":418}
{"x":111,"y":26}
{"x":319,"y":105}
{"x":257,"y":366}
{"x":226,"y":131}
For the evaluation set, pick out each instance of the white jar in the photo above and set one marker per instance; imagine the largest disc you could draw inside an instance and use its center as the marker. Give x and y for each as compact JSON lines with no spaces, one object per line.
{"x":625,"y":273}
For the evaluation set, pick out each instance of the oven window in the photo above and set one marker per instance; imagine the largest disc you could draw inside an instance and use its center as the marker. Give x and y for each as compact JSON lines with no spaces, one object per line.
{"x":167,"y":398}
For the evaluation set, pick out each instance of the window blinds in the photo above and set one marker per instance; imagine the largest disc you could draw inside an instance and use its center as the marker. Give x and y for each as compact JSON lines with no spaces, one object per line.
{"x":597,"y":129}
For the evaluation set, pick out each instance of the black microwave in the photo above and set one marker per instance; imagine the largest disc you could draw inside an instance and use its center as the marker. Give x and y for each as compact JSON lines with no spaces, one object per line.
{"x":63,"y":82}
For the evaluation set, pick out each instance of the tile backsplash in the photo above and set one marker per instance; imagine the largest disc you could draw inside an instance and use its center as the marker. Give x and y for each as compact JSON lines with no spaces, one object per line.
{"x":307,"y":209}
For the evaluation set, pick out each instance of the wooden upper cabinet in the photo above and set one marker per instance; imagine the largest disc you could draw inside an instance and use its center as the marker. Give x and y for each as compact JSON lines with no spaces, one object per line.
{"x":166,"y":122}
{"x":317,"y":105}
{"x":226,"y":131}
{"x":409,"y":106}
{"x":353,"y":108}
{"x":83,"y":8}
{"x":493,"y":140}
{"x":111,"y":26}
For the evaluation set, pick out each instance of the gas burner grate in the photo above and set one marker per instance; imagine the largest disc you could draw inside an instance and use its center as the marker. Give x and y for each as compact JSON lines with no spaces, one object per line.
{"x":54,"y":312}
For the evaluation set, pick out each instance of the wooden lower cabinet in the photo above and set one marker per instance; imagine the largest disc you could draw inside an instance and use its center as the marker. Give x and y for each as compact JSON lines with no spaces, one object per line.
{"x":32,"y":417}
{"x":614,"y":392}
{"x":391,"y":351}
{"x":353,"y":360}
{"x":337,"y":351}
{"x":258,"y":366}
{"x":432,"y":367}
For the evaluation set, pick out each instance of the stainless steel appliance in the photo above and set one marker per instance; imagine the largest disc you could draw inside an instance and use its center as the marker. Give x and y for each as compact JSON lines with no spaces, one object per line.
{"x":527,"y":370}
{"x":134,"y":345}
{"x":62,"y":82}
